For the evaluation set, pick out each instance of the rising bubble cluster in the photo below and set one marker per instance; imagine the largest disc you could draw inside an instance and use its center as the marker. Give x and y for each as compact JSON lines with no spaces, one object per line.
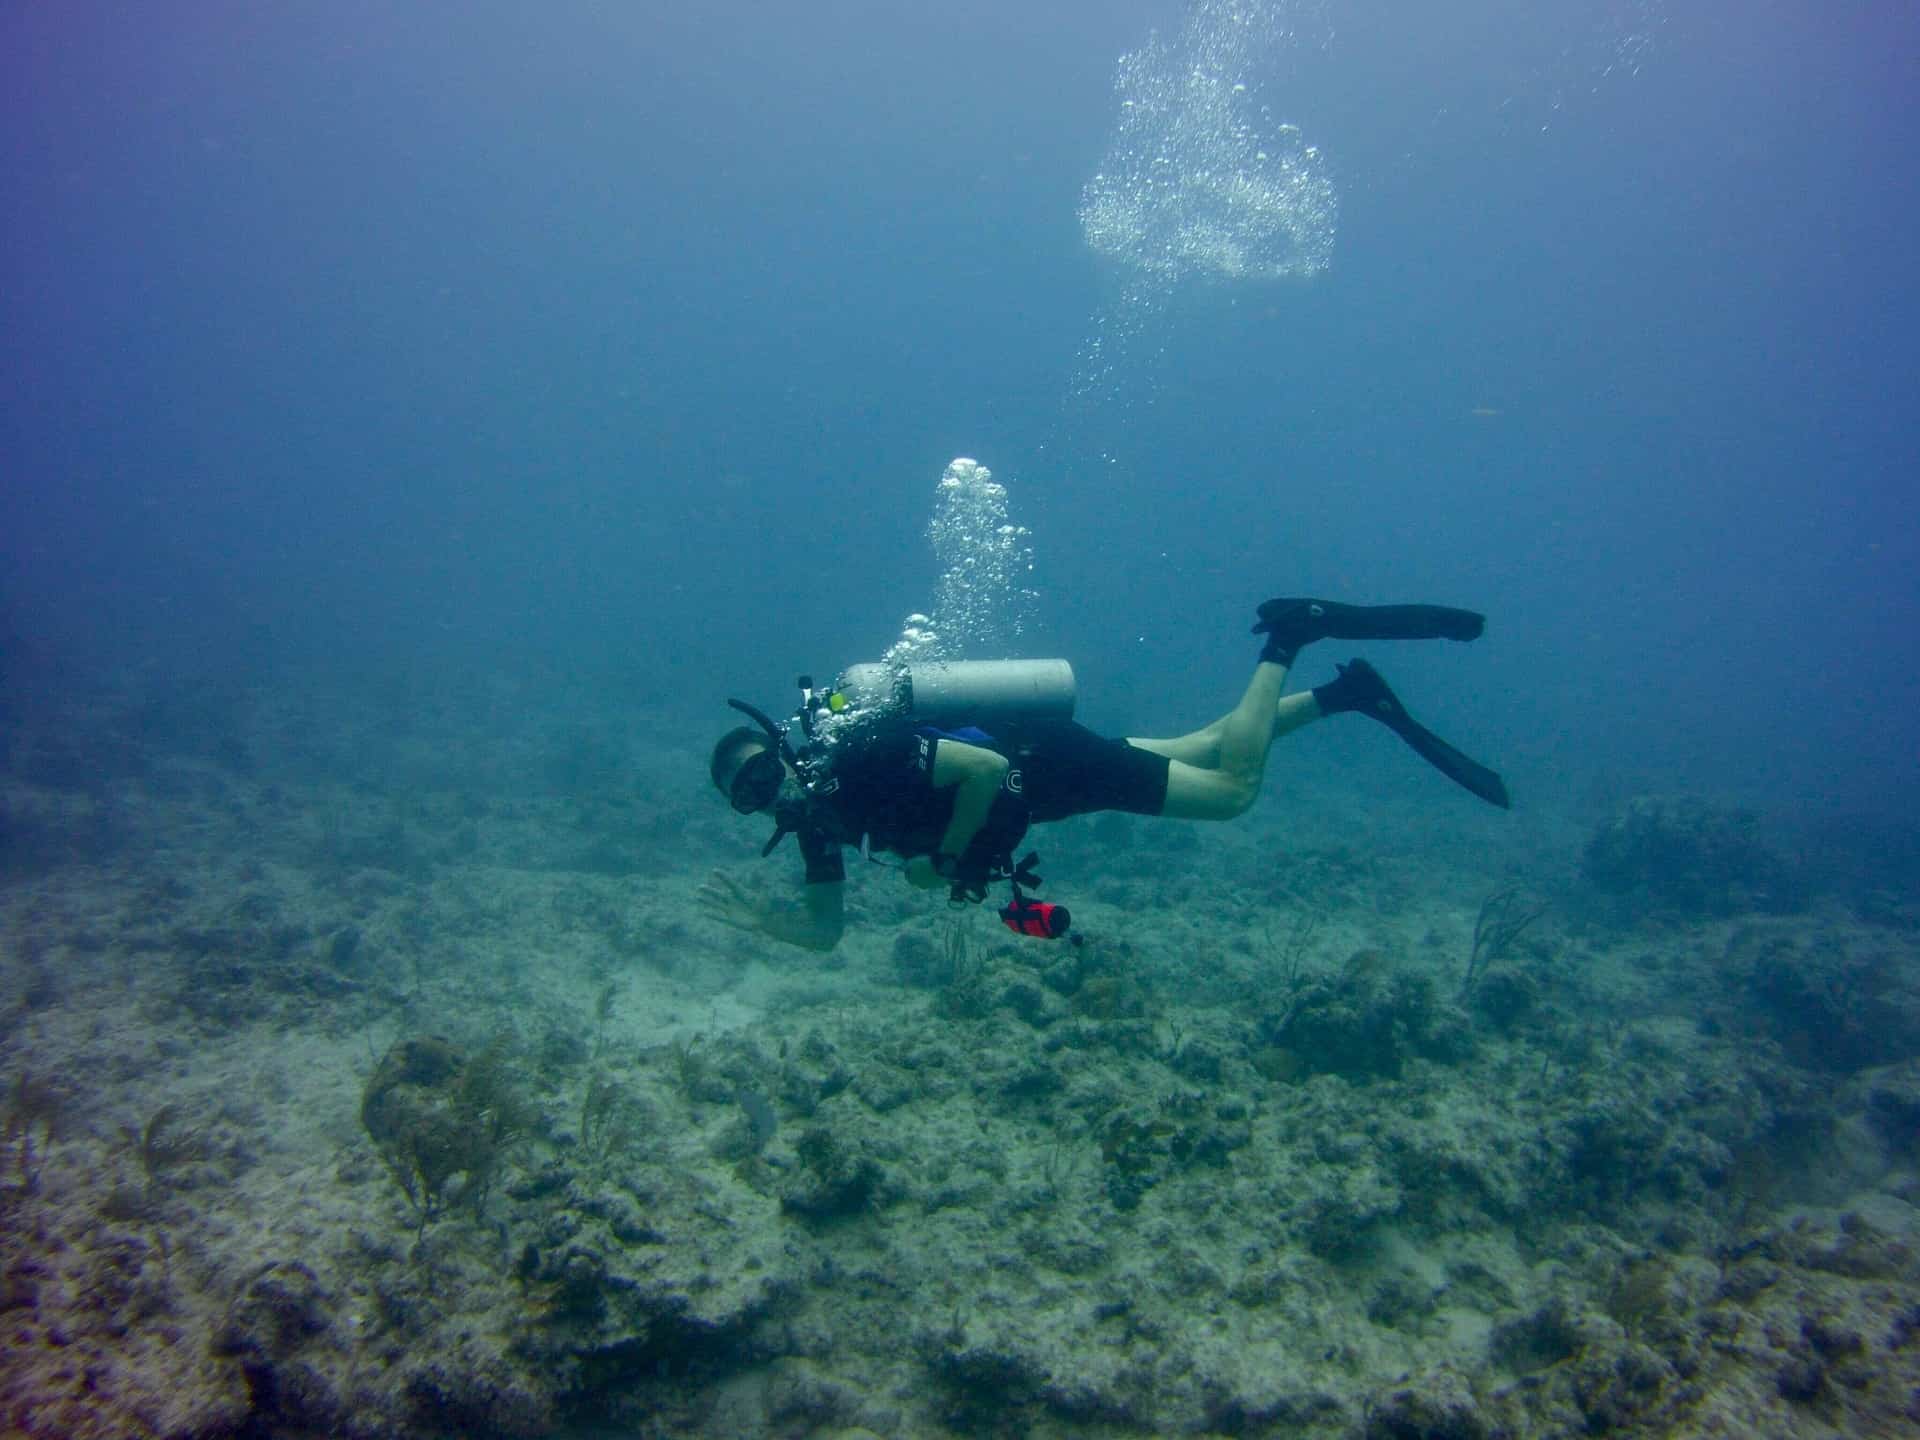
{"x":1201,"y":179}
{"x":984,"y":599}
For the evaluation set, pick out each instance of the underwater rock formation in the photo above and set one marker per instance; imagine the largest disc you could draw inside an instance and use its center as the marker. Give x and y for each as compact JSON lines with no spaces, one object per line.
{"x":1688,"y":857}
{"x":1834,"y":999}
{"x":439,"y":1121}
{"x":1366,"y":1021}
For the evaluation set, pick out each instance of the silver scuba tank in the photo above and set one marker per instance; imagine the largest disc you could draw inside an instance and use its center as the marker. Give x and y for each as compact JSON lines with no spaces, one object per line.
{"x":974,"y":692}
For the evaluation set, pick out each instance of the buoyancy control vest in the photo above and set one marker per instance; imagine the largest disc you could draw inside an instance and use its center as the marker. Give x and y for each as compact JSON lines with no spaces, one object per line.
{"x":965,"y":700}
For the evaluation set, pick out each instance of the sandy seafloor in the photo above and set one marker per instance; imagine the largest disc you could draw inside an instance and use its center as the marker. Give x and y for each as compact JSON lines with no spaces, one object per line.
{"x":1249,"y":1160}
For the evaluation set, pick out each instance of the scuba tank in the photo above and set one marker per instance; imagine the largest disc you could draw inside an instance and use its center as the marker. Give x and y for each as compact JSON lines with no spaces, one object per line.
{"x":951,"y":692}
{"x":970,"y":692}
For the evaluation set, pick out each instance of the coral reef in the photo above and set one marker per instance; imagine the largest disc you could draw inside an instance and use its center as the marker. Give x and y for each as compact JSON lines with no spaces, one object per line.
{"x":1689,"y":857}
{"x":401,"y":1117}
{"x":440,"y":1121}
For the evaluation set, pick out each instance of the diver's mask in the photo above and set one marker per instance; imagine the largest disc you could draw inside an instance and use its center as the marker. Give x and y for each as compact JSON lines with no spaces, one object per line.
{"x":756,"y":784}
{"x":776,"y":779}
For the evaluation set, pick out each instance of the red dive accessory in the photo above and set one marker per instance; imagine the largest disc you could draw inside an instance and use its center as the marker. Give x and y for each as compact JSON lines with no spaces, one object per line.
{"x":1041,"y":919}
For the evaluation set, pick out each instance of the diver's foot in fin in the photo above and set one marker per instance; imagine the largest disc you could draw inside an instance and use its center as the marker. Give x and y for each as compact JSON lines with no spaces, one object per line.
{"x":1291,"y":622}
{"x":1360,"y":689}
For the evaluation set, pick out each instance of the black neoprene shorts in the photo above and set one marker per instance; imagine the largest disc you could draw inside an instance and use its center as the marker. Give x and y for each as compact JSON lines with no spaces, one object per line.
{"x":1066,"y":769}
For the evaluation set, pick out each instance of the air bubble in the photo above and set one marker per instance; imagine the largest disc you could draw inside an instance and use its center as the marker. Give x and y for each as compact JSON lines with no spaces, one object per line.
{"x":1201,"y":180}
{"x":980,"y":604}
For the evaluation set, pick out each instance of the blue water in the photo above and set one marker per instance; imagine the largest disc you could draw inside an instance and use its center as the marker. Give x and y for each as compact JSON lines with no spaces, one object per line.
{"x":628,"y":342}
{"x":416,"y":420}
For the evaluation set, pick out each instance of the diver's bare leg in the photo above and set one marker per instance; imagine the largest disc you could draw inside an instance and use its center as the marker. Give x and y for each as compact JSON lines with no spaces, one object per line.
{"x":1201,"y":748}
{"x":1293,"y":711}
{"x":1235,"y":745}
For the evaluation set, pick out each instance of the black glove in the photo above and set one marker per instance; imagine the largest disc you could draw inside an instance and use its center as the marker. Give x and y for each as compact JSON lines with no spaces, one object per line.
{"x":969,"y":887}
{"x":989,"y":852}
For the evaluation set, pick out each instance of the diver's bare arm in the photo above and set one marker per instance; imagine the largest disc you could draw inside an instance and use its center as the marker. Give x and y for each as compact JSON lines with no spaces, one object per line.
{"x":815,"y":922}
{"x":978,"y":773}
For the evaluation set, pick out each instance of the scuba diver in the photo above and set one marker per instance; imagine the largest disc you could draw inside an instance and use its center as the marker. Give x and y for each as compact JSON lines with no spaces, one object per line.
{"x":946,"y":766}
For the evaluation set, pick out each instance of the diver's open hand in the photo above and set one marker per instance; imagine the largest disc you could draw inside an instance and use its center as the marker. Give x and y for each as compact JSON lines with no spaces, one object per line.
{"x":729,"y":902}
{"x":814,"y":923}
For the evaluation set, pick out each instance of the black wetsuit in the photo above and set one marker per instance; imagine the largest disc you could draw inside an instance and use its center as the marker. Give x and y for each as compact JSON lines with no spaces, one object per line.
{"x":881,"y":787}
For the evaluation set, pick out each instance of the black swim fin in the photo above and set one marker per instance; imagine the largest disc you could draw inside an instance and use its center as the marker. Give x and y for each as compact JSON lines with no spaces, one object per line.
{"x":1330,"y":620}
{"x":1293,"y":621}
{"x":1361,"y":690}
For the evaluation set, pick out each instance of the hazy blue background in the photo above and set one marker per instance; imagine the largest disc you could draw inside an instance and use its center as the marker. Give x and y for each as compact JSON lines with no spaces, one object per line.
{"x":624,"y":343}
